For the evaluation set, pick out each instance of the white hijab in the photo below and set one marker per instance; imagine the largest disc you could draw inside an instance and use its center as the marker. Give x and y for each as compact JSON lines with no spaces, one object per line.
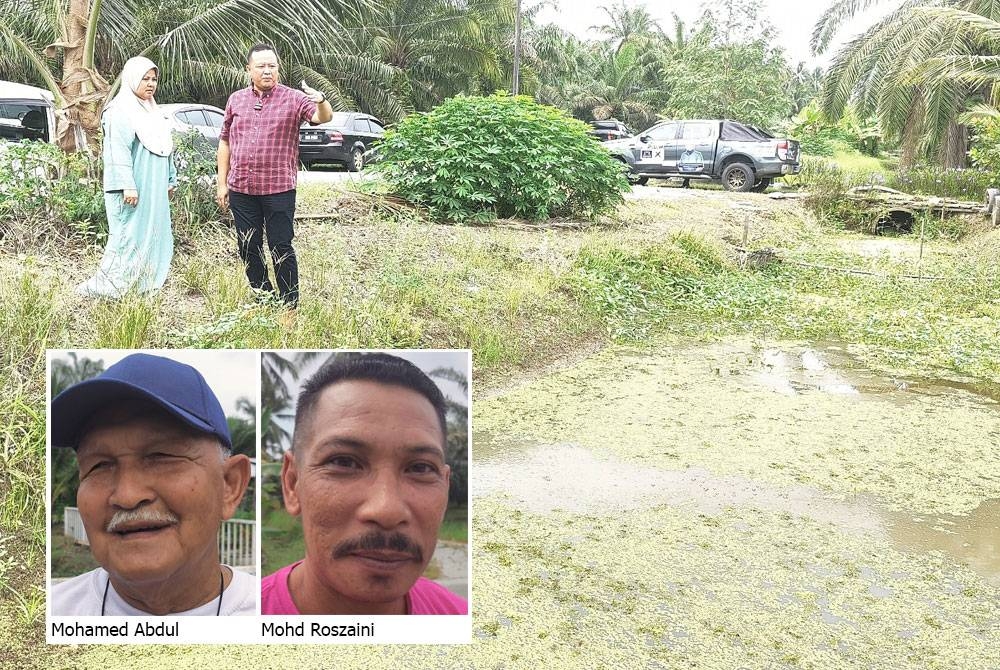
{"x":151,"y":126}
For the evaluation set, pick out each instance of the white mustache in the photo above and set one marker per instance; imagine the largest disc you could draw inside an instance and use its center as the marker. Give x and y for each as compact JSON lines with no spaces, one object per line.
{"x":122,"y":517}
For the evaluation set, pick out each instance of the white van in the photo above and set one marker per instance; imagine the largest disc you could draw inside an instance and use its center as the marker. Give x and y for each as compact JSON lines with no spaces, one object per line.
{"x":26,"y":113}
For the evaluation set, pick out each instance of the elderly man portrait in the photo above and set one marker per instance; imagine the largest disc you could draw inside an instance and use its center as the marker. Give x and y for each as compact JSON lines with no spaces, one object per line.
{"x":367,"y":473}
{"x":156,"y":481}
{"x":258,"y":161}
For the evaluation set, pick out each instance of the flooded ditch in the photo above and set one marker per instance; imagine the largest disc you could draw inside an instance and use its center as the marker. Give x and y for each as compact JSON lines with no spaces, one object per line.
{"x":734,"y":505}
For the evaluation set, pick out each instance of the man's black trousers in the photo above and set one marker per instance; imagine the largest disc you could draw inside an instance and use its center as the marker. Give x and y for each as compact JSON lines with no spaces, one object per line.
{"x":270,"y":215}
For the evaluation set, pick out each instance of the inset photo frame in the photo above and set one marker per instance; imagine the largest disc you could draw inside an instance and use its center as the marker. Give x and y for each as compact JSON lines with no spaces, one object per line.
{"x":365,"y":482}
{"x":152,"y":484}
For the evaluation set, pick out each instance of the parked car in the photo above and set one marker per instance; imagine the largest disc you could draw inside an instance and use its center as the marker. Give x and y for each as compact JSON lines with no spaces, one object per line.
{"x":206,"y":119}
{"x":345,"y":139}
{"x":612,"y":129}
{"x":739,"y":156}
{"x":26,"y":113}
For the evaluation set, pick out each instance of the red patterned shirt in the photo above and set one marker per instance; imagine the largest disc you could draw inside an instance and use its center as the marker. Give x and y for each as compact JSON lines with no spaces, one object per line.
{"x":264,"y":142}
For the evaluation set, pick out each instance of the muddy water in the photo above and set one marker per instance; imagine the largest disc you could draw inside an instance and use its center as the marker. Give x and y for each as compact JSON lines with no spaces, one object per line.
{"x":797,"y":381}
{"x":973,"y":539}
{"x":722,"y":507}
{"x":783,"y":416}
{"x":545,"y":478}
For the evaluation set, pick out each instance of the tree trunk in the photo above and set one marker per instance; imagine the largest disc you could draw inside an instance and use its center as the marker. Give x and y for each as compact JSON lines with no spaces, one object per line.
{"x":954,"y":146}
{"x":83,"y":89}
{"x":912,"y":134}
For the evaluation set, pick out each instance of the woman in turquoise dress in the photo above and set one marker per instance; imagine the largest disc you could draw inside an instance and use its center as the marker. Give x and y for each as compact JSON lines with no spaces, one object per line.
{"x":139,"y":178}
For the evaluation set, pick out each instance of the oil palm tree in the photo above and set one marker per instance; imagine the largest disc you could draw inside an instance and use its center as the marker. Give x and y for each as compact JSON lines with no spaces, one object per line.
{"x":73,"y":370}
{"x":75,"y":48}
{"x":895,"y":71}
{"x":981,"y":70}
{"x":436,"y":47}
{"x":623,"y":86}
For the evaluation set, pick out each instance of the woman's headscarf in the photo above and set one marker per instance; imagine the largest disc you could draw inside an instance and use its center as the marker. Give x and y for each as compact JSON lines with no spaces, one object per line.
{"x":151,"y":126}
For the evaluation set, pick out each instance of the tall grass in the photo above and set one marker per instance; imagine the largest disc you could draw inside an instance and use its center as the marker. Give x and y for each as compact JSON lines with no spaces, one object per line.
{"x":29,"y":322}
{"x":126,"y":323}
{"x":954,"y":183}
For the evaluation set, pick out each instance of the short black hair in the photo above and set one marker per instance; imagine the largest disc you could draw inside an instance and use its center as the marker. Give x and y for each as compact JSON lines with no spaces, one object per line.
{"x":375,"y":367}
{"x":262,"y":46}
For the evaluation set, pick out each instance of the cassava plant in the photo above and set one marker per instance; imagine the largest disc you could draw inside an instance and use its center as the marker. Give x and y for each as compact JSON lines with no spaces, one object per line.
{"x":474,"y":159}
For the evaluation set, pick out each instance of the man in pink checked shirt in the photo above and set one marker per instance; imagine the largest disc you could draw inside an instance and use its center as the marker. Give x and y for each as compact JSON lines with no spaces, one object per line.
{"x":258,"y":163}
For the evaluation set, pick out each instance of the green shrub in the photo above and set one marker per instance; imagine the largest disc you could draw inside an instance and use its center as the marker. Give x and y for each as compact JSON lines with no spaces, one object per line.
{"x":820,"y":136}
{"x":46,"y":194}
{"x":985,"y":151}
{"x":193,"y":204}
{"x":827,"y":186}
{"x":478,"y":158}
{"x":816,"y":145}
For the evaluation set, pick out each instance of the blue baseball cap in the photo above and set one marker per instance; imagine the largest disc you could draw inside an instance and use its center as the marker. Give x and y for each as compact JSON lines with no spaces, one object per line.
{"x":176,"y":387}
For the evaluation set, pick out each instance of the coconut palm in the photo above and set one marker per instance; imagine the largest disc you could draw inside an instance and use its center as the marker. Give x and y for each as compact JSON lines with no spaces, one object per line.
{"x":626,"y":24}
{"x":64,"y":373}
{"x":242,"y":428}
{"x":806,"y":85}
{"x":276,"y":410}
{"x":75,"y":48}
{"x":457,"y":448}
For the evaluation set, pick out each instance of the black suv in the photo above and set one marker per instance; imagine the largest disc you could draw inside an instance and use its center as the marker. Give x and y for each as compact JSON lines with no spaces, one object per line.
{"x":612,"y":129}
{"x":344,"y":139}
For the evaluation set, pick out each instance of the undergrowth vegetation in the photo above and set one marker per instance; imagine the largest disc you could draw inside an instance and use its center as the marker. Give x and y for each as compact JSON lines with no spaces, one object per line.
{"x":46,"y":194}
{"x":827,"y":183}
{"x":656,"y":272}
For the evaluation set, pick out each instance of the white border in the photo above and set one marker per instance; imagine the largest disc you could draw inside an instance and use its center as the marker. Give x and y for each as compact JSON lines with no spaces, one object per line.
{"x":437,"y":629}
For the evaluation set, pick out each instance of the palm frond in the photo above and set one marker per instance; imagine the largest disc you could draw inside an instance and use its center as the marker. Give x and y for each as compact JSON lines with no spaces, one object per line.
{"x":833,"y":19}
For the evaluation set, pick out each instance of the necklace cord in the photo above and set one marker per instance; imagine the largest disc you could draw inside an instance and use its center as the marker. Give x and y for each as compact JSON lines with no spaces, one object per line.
{"x":218,"y":610}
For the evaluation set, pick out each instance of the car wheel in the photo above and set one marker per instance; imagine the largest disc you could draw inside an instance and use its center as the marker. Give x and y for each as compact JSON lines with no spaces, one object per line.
{"x":761,"y":185}
{"x":738,"y":177}
{"x":357,"y":162}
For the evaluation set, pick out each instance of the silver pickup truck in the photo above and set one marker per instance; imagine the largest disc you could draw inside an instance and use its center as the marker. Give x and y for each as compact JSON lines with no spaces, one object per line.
{"x":739,"y":156}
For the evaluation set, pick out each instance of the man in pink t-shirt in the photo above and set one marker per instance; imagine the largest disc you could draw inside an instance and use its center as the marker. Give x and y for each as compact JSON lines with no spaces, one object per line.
{"x":367,"y":474}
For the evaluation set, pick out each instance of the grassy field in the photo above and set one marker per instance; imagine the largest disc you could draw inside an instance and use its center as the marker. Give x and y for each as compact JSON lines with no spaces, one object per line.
{"x":522,"y":297}
{"x":853,"y":161}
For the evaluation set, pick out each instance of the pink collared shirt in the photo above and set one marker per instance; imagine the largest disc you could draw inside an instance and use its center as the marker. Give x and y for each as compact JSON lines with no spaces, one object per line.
{"x":264,"y":143}
{"x":425,"y":597}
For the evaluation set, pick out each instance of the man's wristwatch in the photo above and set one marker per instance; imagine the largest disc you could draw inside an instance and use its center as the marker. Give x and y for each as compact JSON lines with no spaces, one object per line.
{"x":323,"y":100}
